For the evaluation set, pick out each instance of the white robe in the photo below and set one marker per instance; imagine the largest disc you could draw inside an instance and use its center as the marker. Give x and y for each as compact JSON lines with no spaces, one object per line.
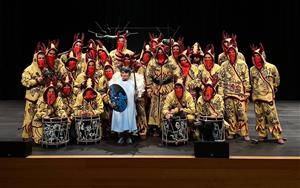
{"x":126,"y":120}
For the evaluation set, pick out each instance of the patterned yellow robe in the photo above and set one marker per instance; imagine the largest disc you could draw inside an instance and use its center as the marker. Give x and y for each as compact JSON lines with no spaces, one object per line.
{"x":95,"y":106}
{"x":160,"y":82}
{"x":264,"y":84}
{"x":44,"y":110}
{"x":113,"y":56}
{"x":212,"y":108}
{"x":235,"y":87}
{"x":186,"y":103}
{"x":81,"y":65}
{"x":205,"y":76}
{"x":33,"y":92}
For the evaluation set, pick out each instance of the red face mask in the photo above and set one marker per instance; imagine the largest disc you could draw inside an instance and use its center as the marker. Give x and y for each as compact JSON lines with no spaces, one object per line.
{"x":109,"y":74}
{"x":91,"y":70}
{"x":77,"y":49}
{"x":51,"y":97}
{"x":208,"y":63}
{"x":153,"y":45}
{"x":103,"y":56}
{"x":185,"y":67}
{"x":161,"y":57}
{"x":41,"y":63}
{"x":179,"y":92}
{"x":92,"y":53}
{"x":72,"y":65}
{"x":175,"y":51}
{"x":89,"y":94}
{"x":51,"y":61}
{"x":208,"y":93}
{"x":232,"y":55}
{"x":258,"y":62}
{"x":66,"y":90}
{"x":120,"y":44}
{"x":146,"y":58}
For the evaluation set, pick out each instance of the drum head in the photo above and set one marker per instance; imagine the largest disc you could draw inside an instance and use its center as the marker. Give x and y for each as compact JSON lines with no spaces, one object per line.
{"x":118,"y":97}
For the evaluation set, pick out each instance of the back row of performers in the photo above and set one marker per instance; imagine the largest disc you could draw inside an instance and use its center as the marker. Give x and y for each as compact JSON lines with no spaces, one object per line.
{"x":168,"y":79}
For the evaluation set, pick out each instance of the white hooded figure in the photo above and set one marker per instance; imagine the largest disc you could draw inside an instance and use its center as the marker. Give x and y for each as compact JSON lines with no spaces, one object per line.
{"x":123,"y":89}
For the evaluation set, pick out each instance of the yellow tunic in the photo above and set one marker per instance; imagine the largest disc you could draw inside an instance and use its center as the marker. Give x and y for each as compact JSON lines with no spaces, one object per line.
{"x":206,"y":76}
{"x":33,"y":92}
{"x":186,"y":104}
{"x":212,"y":108}
{"x":94,"y":107}
{"x":81,"y":65}
{"x":113,"y":56}
{"x":160,"y":82}
{"x":44,"y":110}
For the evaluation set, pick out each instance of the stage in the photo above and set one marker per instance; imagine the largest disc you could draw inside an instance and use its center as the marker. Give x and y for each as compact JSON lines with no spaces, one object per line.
{"x":11,"y":116}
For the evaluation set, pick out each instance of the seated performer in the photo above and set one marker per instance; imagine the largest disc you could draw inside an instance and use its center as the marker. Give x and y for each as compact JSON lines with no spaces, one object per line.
{"x":122,"y":91}
{"x":49,"y":105}
{"x":265,"y":79}
{"x":88,"y":102}
{"x":180,"y":103}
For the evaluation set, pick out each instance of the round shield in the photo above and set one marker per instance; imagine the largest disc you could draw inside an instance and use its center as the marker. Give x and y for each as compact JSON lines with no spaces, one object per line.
{"x":118,"y":97}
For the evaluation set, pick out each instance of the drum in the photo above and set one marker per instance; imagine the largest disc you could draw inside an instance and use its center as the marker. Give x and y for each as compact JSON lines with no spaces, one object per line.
{"x":88,"y":129}
{"x":211,"y":128}
{"x":174,"y":130}
{"x":55,"y":131}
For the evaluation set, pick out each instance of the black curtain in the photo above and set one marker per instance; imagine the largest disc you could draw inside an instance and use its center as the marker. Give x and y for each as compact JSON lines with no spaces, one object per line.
{"x":24,"y":23}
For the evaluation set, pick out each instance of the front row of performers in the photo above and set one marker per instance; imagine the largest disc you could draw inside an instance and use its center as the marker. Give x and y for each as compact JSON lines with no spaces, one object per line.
{"x":165,"y":79}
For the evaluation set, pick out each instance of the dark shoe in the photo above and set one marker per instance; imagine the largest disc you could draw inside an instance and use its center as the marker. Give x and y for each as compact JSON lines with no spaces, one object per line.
{"x":129,"y":140}
{"x":121,"y":140}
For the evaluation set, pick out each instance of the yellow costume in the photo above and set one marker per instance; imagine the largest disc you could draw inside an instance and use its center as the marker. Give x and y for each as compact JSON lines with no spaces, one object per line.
{"x":159,"y":83}
{"x":45,"y":110}
{"x":30,"y":79}
{"x":235,"y":87}
{"x":264,"y":83}
{"x":212,"y":108}
{"x":223,"y":57}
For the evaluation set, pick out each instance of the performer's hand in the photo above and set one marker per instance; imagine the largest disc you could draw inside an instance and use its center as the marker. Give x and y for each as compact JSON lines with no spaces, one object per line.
{"x":169,"y":115}
{"x":39,"y":79}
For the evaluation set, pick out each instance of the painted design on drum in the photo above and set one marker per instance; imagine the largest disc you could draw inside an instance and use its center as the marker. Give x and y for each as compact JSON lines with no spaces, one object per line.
{"x":54,"y":132}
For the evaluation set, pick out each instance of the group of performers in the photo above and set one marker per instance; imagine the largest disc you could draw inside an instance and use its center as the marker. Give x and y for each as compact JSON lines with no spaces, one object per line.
{"x":164,"y":80}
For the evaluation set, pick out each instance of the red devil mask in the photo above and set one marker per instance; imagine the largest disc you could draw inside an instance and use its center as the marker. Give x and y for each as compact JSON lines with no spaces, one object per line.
{"x":89,"y":94}
{"x":153,"y":45}
{"x":120,"y":44}
{"x":72,"y":65}
{"x":146,"y":58}
{"x":179,"y":91}
{"x":51,"y":96}
{"x":102,"y":55}
{"x":258,"y":62}
{"x":185,"y":65}
{"x":208,"y":62}
{"x":92,"y":53}
{"x":66,"y":90}
{"x":91,"y":70}
{"x":161,"y":57}
{"x":41,"y":61}
{"x":208,"y":93}
{"x":232,"y":55}
{"x":175,"y":51}
{"x":77,"y":48}
{"x":109,"y":73}
{"x":51,"y":60}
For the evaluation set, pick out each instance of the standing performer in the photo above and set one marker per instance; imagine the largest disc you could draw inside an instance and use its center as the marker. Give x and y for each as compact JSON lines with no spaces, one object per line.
{"x":122,"y":90}
{"x":33,"y":80}
{"x":235,"y":85}
{"x":160,"y":75}
{"x":196,"y":57}
{"x":265,"y":79}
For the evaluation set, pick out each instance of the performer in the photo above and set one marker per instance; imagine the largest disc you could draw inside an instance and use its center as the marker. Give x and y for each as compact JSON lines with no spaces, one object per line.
{"x":33,"y":80}
{"x":154,"y":41}
{"x":160,"y":74}
{"x":235,"y":86}
{"x":88,"y":102}
{"x":124,"y":113}
{"x":76,"y":52}
{"x":49,"y":105}
{"x":196,"y":57}
{"x":121,"y":48}
{"x":103,"y":56}
{"x":209,"y":71}
{"x":180,"y":102}
{"x":265,"y":79}
{"x":176,"y":49}
{"x":226,"y":40}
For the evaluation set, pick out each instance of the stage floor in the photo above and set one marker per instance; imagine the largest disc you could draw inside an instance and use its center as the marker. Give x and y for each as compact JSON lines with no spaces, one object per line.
{"x":11,"y":117}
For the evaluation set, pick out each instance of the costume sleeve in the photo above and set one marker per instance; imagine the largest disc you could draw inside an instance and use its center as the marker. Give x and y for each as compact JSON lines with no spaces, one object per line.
{"x":100,"y":107}
{"x":167,"y":103}
{"x":190,"y":109}
{"x":246,"y":81}
{"x":79,"y":80}
{"x":276,"y":77}
{"x":221,"y":80}
{"x":41,"y":109}
{"x":60,"y":109}
{"x":27,"y":79}
{"x":78,"y":107}
{"x":199,"y":106}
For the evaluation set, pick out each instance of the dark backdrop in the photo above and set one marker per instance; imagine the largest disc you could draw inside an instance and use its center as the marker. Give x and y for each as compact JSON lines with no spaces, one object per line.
{"x":24,"y":23}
